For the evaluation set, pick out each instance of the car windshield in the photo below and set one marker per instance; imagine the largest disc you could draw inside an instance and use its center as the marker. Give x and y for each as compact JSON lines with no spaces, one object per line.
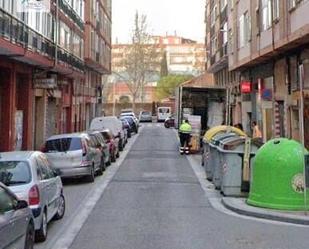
{"x":106,"y":135}
{"x":129,"y":119}
{"x":146,"y":113}
{"x":63,"y":144}
{"x":14,"y":172}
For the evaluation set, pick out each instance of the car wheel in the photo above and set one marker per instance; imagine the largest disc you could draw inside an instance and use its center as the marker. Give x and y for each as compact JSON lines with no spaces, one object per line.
{"x":41,"y":234}
{"x":102,"y":167}
{"x":30,"y":235}
{"x":109,"y":162}
{"x":129,"y":134}
{"x":113,"y":159}
{"x":120,"y":145}
{"x":166,"y":125}
{"x":118,"y":154}
{"x":61,"y":208}
{"x":90,"y":178}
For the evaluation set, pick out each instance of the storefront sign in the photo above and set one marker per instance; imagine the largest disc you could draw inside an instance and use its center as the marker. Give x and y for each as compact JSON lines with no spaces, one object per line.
{"x":47,"y":83}
{"x":245,"y":87}
{"x":267,"y":94}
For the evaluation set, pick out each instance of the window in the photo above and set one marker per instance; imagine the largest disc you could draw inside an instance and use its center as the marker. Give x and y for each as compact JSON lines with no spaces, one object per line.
{"x":214,"y":45}
{"x":14,"y":173}
{"x":266,"y":9}
{"x":224,"y":33}
{"x":244,"y":30}
{"x":63,"y":144}
{"x":213,"y":15}
{"x":223,"y":4}
{"x":44,"y":168}
{"x":276,"y":8}
{"x":292,"y":4}
{"x":7,"y":202}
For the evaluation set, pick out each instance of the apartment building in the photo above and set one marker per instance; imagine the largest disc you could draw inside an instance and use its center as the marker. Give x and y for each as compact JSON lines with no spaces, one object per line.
{"x":217,"y":40}
{"x":183,"y":56}
{"x":43,"y":83}
{"x":267,"y":63}
{"x":269,"y":47}
{"x":98,"y":18}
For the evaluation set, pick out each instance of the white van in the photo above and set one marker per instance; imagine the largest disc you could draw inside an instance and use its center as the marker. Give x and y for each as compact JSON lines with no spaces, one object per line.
{"x":113,"y":124}
{"x":163,"y":113}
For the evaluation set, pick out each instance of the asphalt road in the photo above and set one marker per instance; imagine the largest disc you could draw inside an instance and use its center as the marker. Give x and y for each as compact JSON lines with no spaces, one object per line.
{"x":156,"y":202}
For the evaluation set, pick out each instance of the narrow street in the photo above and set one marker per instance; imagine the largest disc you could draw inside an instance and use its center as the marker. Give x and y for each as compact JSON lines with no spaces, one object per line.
{"x":156,"y":201}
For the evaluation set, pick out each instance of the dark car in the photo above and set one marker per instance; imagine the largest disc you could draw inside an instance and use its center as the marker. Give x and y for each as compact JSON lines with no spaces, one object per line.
{"x":127,"y":127}
{"x":16,"y":221}
{"x":132,"y":122}
{"x":169,"y":122}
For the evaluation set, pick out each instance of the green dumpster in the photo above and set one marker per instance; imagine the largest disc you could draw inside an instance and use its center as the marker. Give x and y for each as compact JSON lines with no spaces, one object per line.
{"x":277,"y":176}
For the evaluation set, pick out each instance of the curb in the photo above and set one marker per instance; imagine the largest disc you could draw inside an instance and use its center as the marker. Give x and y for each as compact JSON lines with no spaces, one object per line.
{"x":243,"y":209}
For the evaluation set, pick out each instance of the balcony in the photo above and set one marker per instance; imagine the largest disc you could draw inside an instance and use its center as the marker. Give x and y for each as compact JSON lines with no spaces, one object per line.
{"x":68,"y":10}
{"x":17,"y":32}
{"x":70,"y":59}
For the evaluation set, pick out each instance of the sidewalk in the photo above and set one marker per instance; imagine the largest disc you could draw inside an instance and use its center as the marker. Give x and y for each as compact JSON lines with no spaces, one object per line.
{"x":239,"y":205}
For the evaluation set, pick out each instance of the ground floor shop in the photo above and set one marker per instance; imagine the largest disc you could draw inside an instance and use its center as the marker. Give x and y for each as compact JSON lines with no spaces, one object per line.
{"x":35,"y":104}
{"x":275,"y":94}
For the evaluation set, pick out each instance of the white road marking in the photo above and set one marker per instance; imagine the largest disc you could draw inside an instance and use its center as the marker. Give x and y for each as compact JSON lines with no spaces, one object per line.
{"x":70,"y":229}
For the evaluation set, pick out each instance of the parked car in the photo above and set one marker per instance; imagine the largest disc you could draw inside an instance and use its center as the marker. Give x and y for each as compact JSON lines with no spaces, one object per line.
{"x":16,"y":221}
{"x":101,"y":143}
{"x":169,"y":122}
{"x":113,"y":124}
{"x":133,"y":124}
{"x":112,"y":143}
{"x":99,"y":156}
{"x":129,"y":114}
{"x":74,"y":155}
{"x":145,"y":116}
{"x":28,"y":174}
{"x":127,"y":127}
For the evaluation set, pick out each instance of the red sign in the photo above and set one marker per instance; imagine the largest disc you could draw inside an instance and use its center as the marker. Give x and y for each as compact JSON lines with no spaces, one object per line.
{"x":245,"y":87}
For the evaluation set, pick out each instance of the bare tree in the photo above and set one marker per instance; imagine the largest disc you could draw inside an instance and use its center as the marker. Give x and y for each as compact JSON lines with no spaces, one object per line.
{"x":141,"y":58}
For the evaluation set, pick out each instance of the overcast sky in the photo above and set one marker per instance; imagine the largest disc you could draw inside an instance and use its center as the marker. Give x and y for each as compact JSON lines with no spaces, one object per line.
{"x":186,"y":17}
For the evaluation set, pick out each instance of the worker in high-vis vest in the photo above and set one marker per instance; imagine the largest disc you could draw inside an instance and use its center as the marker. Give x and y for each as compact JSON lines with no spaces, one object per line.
{"x":185,"y":130}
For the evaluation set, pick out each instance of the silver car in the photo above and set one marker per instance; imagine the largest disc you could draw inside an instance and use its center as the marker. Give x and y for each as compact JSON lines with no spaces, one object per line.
{"x":16,"y":222}
{"x":145,"y":116}
{"x":29,"y":176}
{"x":74,"y":155}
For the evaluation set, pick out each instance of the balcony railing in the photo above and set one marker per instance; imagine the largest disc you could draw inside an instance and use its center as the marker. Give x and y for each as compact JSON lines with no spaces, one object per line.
{"x":17,"y":32}
{"x":67,"y":9}
{"x":70,"y":59}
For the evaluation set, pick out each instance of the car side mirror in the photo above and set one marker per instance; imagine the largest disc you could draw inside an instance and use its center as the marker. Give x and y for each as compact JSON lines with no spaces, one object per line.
{"x":21,"y":205}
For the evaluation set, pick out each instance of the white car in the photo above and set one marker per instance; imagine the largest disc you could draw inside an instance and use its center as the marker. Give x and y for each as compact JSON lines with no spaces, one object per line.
{"x":113,"y":124}
{"x":28,"y":175}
